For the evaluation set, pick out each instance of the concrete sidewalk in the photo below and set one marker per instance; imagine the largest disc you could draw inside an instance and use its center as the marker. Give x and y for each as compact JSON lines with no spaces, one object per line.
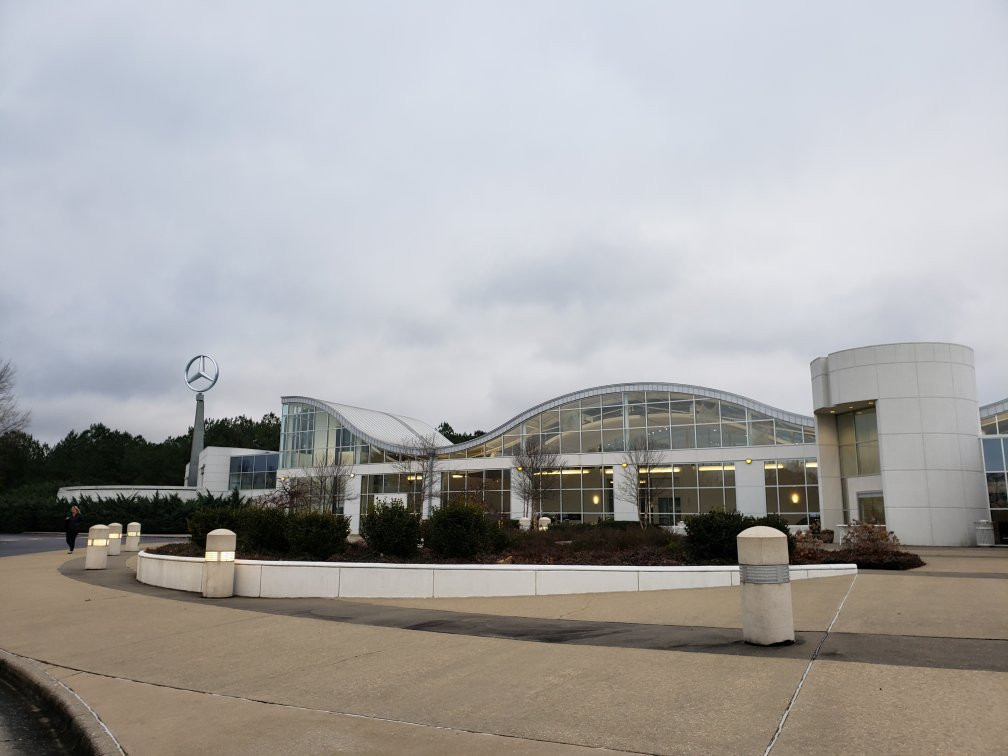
{"x":915,"y":663}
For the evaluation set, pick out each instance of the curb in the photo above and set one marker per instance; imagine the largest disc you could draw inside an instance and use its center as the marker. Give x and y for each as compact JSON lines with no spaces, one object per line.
{"x":76,"y":722}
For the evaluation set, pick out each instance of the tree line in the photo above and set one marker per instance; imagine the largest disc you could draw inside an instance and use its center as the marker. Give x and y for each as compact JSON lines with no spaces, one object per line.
{"x":101,"y":455}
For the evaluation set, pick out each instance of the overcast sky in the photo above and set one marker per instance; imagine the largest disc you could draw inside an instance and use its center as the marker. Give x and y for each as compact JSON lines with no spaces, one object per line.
{"x":457,"y":210}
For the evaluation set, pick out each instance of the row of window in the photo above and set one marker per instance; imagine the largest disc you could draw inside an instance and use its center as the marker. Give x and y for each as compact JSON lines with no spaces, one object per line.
{"x":253,"y":471}
{"x":857,"y":434}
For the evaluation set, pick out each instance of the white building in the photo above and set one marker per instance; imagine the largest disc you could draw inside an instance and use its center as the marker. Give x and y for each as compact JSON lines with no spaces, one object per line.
{"x":895,"y":439}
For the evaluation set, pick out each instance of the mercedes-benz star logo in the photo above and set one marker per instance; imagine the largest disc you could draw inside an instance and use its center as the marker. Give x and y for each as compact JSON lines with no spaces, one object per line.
{"x":201,"y":373}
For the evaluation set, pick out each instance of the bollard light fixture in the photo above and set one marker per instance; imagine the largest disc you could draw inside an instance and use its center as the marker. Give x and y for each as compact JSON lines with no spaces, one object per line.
{"x":220,"y":556}
{"x":132,"y":533}
{"x":97,"y":541}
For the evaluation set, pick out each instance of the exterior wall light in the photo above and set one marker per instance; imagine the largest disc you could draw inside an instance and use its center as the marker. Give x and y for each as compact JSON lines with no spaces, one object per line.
{"x":748,"y":461}
{"x":115,"y":538}
{"x":132,"y":541}
{"x":97,"y":548}
{"x":218,"y":564}
{"x":624,"y":464}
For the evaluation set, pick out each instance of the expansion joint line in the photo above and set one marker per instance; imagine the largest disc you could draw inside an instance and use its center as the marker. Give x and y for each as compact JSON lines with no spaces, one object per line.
{"x":808,"y":668}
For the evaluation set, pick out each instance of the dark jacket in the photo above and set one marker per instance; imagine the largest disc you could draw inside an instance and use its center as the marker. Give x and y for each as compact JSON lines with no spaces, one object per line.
{"x":74,"y":523}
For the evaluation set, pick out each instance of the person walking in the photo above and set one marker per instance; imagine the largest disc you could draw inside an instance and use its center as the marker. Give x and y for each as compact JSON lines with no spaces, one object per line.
{"x":74,"y":523}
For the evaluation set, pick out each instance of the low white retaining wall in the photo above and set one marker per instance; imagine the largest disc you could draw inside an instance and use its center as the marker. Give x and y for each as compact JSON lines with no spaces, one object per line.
{"x":363,"y":580}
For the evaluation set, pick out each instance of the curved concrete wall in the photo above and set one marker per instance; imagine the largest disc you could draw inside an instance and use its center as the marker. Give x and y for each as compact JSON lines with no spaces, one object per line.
{"x":924,"y":394}
{"x":265,"y":579}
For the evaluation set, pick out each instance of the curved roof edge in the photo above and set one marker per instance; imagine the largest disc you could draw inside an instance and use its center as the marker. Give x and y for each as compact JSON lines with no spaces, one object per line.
{"x":383,"y":429}
{"x":378,"y":428}
{"x":681,"y":388}
{"x":994,"y":408}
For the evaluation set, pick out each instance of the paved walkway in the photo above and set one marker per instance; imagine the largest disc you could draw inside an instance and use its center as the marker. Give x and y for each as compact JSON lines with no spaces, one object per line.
{"x":913,"y":663}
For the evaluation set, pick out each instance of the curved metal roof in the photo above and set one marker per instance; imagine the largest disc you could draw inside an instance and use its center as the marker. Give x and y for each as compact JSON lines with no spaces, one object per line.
{"x":395,"y":432}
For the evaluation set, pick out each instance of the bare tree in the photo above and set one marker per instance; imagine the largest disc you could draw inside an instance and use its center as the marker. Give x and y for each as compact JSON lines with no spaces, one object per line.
{"x":641,"y":484}
{"x":419,"y":463}
{"x":327,"y":481}
{"x":11,"y":418}
{"x":537,"y":474}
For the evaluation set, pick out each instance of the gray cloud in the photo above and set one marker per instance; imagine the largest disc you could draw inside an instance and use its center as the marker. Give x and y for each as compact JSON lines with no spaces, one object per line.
{"x":458,"y":210}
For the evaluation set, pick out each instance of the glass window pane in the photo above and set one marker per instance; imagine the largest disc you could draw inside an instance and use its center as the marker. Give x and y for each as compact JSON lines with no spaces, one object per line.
{"x":657,"y":414}
{"x":591,"y":441}
{"x":591,"y":418}
{"x":770,"y":473}
{"x":729,"y":476}
{"x":235,"y":464}
{"x":730,"y":411}
{"x":729,"y":503}
{"x":259,"y":463}
{"x":570,"y":420}
{"x":531,"y":426}
{"x":681,"y":413}
{"x":993,"y":454}
{"x":868,"y":459}
{"x":711,"y":475}
{"x":659,"y":438}
{"x":845,"y":429}
{"x":997,"y":492}
{"x":636,"y":413}
{"x":848,"y":461}
{"x":761,"y":433}
{"x":612,"y":400}
{"x":685,"y":476}
{"x":570,"y":443}
{"x":550,"y":421}
{"x":683,"y":437}
{"x":636,"y":438}
{"x":865,"y":428}
{"x":791,"y":472}
{"x":708,"y":436}
{"x":811,"y":471}
{"x":733,"y":434}
{"x":247,"y":464}
{"x":612,"y":418}
{"x":988,"y":426}
{"x":711,"y":500}
{"x":792,"y":499}
{"x":707,"y":411}
{"x":612,"y":440}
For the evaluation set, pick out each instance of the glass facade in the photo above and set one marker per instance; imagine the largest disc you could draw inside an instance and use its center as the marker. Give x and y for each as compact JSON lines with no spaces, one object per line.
{"x":995,"y":454}
{"x":669,"y":493}
{"x":309,"y":436}
{"x":253,"y":471}
{"x":492,"y":488}
{"x":792,"y":489}
{"x":661,"y":420}
{"x":857,"y":433}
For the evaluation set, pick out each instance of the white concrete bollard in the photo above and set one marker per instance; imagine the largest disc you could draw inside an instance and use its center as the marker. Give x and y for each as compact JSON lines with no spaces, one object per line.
{"x":767,"y":616}
{"x":544,"y":523}
{"x":218,"y":564}
{"x":97,"y":548}
{"x":524,"y":523}
{"x":115,"y":538}
{"x":132,"y":540}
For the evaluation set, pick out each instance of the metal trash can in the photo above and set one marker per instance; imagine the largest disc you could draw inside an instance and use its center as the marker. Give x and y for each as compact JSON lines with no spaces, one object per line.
{"x":984,"y":532}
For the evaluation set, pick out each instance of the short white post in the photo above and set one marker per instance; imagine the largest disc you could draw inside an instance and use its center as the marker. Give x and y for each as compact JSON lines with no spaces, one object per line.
{"x":132,"y":540}
{"x":524,"y":523}
{"x":218,"y":564}
{"x":115,"y":538}
{"x":97,"y":548}
{"x":767,"y":616}
{"x":544,"y":523}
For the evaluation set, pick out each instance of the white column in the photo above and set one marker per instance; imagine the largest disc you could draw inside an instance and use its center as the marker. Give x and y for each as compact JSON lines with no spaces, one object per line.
{"x":767,"y":616}
{"x":218,"y":564}
{"x":97,"y":548}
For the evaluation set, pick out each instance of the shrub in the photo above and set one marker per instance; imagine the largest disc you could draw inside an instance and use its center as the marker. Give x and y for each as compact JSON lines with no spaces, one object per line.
{"x":261,"y":529}
{"x":316,"y":535}
{"x":201,"y":521}
{"x":459,"y":530}
{"x":871,"y":547}
{"x":710,"y":537}
{"x":391,"y":529}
